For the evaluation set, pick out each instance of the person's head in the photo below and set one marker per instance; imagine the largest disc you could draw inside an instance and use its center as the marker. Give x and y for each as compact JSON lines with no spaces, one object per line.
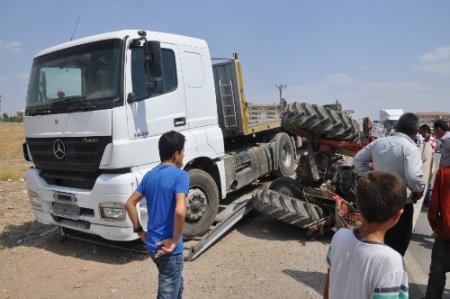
{"x":380,"y":197}
{"x":440,"y":127}
{"x":171,"y":148}
{"x":408,"y":124}
{"x":425,"y":130}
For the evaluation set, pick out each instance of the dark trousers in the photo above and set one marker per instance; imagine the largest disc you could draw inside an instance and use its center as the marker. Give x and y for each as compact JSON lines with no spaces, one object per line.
{"x":440,"y":265}
{"x":399,"y":236}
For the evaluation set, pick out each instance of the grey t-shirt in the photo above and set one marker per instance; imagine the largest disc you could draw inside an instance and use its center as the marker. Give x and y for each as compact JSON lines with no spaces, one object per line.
{"x":443,"y":146}
{"x":362,"y":269}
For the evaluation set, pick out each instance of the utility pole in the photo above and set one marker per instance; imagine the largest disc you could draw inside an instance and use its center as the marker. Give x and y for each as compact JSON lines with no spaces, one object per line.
{"x":1,"y":115}
{"x":280,"y":90}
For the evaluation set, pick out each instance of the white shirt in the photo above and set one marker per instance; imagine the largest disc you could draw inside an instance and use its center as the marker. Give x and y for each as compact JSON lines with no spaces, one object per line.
{"x":363,"y":269}
{"x":396,"y":154}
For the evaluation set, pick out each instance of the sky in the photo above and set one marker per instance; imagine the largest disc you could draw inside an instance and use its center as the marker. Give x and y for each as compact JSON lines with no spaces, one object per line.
{"x":368,"y":55}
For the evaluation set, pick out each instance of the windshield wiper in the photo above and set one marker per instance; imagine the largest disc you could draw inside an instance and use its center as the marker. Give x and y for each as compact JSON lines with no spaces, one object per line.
{"x":72,"y":99}
{"x":39,"y":111}
{"x":82,"y":106}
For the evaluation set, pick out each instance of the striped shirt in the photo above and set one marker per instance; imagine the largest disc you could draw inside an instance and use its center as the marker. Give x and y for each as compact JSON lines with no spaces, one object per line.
{"x":363,"y":269}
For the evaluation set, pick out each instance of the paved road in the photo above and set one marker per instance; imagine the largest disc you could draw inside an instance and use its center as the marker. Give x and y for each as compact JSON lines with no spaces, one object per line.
{"x":418,"y":258}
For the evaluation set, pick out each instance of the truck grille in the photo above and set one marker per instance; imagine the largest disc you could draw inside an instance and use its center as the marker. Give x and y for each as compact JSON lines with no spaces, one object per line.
{"x":69,"y":162}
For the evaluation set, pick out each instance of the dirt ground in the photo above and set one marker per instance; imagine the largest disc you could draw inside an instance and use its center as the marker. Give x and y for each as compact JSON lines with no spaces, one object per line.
{"x":259,"y":258}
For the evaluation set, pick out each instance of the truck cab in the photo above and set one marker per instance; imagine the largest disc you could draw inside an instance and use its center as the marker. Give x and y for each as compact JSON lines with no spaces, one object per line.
{"x":95,"y":110}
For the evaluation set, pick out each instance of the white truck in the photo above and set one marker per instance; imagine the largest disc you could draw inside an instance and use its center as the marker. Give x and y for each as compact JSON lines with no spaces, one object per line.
{"x":389,"y":118}
{"x":96,"y":108}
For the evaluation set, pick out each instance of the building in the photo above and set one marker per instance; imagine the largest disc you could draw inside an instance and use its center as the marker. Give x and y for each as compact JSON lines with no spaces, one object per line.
{"x":429,"y":117}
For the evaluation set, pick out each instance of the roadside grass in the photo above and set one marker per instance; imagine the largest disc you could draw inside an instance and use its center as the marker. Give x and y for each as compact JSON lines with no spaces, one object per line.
{"x":12,"y":164}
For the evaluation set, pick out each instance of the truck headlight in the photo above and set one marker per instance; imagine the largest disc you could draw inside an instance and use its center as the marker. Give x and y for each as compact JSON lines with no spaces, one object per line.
{"x":34,"y":198}
{"x":113,"y":211}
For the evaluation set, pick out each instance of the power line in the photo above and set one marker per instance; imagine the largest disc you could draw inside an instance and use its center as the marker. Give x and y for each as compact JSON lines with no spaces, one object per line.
{"x":266,"y":72}
{"x":149,"y":10}
{"x":152,"y":12}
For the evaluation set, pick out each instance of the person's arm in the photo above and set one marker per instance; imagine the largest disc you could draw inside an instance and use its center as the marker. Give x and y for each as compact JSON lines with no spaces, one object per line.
{"x":327,"y":285}
{"x":435,"y":204}
{"x":392,"y":284}
{"x":130,"y":207}
{"x":180,"y":216}
{"x":168,"y":245}
{"x":413,"y":172}
{"x":363,"y":159}
{"x":446,"y":144}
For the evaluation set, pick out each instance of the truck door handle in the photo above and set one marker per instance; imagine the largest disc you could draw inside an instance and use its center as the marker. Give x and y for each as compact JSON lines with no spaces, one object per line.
{"x":180,"y":121}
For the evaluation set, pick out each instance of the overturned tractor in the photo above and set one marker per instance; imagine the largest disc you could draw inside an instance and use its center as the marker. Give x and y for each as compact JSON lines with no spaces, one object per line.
{"x":322,"y":195}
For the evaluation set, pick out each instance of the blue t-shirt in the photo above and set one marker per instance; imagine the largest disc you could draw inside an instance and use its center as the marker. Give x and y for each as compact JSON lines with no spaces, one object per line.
{"x":160,"y":186}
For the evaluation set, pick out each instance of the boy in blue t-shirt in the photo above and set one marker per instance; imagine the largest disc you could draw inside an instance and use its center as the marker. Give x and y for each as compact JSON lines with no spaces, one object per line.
{"x":165,"y":188}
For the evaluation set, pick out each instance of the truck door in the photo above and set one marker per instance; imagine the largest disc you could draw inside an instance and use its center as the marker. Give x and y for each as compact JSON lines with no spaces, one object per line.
{"x":158,"y":113}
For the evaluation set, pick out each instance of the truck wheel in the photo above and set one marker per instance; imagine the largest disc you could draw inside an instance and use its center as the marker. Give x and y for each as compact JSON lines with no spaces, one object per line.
{"x":285,"y":152}
{"x":202,"y":203}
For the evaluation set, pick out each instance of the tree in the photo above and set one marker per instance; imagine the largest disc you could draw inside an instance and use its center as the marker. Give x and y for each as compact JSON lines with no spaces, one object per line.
{"x":5,"y":117}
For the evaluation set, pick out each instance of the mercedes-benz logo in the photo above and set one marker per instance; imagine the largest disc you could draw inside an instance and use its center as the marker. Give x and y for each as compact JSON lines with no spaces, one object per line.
{"x":59,"y":149}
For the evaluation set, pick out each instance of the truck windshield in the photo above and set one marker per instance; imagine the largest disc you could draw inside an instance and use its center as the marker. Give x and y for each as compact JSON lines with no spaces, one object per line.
{"x":80,"y":78}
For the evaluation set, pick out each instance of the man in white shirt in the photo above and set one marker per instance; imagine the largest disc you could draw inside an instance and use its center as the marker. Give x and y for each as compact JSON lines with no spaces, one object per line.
{"x":398,"y":154}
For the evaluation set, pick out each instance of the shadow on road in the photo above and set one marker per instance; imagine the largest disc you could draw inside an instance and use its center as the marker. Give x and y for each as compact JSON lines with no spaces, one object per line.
{"x":418,"y":291}
{"x":14,"y":235}
{"x":425,"y":241}
{"x":257,"y":225}
{"x":48,"y":237}
{"x":313,"y":279}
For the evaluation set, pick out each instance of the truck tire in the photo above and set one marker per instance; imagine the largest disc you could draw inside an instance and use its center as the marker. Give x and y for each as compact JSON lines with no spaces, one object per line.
{"x":202,"y":203}
{"x":319,"y":121}
{"x":285,"y":154}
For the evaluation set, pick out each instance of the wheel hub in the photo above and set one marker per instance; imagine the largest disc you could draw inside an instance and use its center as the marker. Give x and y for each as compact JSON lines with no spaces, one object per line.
{"x":286,"y":156}
{"x":196,"y":204}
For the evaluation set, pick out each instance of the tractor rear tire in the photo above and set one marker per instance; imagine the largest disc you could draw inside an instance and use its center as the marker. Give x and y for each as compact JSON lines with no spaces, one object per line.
{"x":319,"y":121}
{"x":290,"y":210}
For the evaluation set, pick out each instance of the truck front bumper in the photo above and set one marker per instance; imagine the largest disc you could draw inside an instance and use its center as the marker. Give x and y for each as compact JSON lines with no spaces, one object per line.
{"x":99,"y":211}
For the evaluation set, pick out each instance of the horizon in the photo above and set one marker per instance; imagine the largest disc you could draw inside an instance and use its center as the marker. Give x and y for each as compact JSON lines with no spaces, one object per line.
{"x":368,"y":55}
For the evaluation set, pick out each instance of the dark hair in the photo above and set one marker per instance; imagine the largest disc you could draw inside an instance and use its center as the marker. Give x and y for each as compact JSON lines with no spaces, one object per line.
{"x":170,"y":143}
{"x":380,"y":195}
{"x":441,"y":124}
{"x":425,"y":128}
{"x":408,"y":124}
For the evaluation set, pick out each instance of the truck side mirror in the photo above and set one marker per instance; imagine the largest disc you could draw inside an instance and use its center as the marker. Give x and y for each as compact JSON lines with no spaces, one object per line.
{"x":153,"y":67}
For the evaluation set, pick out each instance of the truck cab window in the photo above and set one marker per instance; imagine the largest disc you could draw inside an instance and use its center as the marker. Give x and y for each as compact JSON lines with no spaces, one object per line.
{"x":63,"y":82}
{"x":77,"y":78}
{"x":138,"y":76}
